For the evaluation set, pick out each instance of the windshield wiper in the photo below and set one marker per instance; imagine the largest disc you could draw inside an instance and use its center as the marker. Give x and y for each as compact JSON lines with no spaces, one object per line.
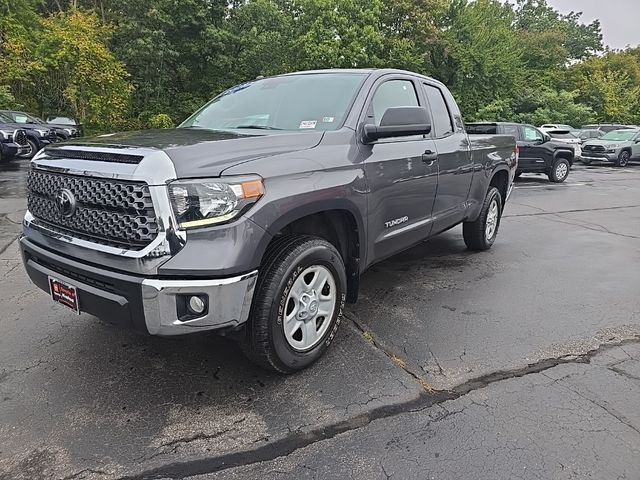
{"x":258,"y":127}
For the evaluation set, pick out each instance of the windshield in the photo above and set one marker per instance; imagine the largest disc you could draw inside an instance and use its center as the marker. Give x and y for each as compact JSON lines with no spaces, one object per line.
{"x":620,"y":135}
{"x":21,"y":117}
{"x":5,"y":119}
{"x":293,"y":102}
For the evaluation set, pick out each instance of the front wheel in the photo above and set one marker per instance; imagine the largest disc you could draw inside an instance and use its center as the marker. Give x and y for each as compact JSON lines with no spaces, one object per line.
{"x":623,"y":159}
{"x":298,"y":304}
{"x":31,"y":150}
{"x":481,"y":234}
{"x":586,"y":161}
{"x":559,"y":171}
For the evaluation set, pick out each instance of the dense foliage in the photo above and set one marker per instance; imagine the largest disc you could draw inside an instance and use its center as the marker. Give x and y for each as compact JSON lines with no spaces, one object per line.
{"x":117,"y":64}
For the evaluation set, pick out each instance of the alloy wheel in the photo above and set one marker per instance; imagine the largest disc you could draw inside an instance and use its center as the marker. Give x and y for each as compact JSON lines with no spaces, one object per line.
{"x":309,"y":308}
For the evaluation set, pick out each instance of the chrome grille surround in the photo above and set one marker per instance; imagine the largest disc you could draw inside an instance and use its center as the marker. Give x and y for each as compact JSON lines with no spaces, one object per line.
{"x":155,"y":171}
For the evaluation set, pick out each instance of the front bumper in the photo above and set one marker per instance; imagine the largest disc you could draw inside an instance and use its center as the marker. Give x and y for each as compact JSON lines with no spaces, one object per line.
{"x":599,"y":157}
{"x":145,"y":305}
{"x":11,"y":150}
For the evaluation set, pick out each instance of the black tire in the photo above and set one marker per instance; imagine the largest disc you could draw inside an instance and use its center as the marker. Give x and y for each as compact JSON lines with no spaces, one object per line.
{"x":560,"y":170}
{"x":33,"y":149}
{"x":623,"y":159}
{"x":265,"y":342}
{"x":475,"y":233}
{"x":586,"y":161}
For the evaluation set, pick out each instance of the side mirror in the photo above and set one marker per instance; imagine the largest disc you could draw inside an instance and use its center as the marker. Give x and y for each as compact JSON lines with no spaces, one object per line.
{"x":399,"y":122}
{"x":546,"y":138}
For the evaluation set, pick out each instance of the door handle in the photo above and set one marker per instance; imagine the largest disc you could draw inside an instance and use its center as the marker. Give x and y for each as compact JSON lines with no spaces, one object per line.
{"x":429,"y":157}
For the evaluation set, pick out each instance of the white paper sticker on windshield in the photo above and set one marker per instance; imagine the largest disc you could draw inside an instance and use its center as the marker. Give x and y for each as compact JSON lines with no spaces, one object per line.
{"x":328,"y":119}
{"x":308,"y":124}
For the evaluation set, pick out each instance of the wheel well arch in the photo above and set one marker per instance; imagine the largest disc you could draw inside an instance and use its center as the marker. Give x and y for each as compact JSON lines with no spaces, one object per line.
{"x":338,"y":226}
{"x":500,"y":180}
{"x":566,"y":154}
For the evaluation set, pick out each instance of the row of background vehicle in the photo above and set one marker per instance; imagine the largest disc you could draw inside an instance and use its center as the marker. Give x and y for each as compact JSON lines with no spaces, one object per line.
{"x":611,"y":143}
{"x":22,"y":135}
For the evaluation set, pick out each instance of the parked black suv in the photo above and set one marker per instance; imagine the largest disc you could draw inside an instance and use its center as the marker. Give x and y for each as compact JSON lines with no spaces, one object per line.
{"x":538,"y":152}
{"x":38,"y":136}
{"x":13,"y":143}
{"x":63,"y":131}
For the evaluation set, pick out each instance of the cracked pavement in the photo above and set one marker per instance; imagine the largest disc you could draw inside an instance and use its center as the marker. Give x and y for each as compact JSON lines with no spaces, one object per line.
{"x":521,"y":362}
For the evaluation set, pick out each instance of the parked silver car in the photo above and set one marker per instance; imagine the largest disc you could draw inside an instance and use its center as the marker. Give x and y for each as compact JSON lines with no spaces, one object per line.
{"x":618,"y":146}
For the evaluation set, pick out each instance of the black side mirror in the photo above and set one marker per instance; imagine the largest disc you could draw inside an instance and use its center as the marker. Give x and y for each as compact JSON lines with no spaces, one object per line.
{"x":545,"y":138}
{"x":399,"y":122}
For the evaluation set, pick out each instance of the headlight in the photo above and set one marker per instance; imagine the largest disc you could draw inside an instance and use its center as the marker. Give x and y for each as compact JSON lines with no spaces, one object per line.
{"x":206,"y":202}
{"x":5,"y":134}
{"x":70,"y":131}
{"x":42,"y":133}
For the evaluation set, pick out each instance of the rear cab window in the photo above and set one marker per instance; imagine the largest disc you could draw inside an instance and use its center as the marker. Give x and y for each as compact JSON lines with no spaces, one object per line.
{"x":442,"y":124}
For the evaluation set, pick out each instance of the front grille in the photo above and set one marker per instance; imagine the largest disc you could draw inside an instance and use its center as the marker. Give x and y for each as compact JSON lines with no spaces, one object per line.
{"x":94,"y":156}
{"x":593,"y":148}
{"x":107,"y":212}
{"x":20,"y":137}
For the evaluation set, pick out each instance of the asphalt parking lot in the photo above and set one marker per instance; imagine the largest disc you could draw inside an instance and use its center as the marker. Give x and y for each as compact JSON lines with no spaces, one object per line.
{"x":521,"y":362}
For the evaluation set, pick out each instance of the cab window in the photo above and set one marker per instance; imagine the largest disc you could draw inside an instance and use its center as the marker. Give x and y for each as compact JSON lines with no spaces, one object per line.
{"x":393,"y":93}
{"x":441,"y":118}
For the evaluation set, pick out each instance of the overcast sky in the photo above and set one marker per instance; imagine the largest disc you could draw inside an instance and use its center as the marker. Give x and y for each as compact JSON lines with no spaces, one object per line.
{"x":620,"y":19}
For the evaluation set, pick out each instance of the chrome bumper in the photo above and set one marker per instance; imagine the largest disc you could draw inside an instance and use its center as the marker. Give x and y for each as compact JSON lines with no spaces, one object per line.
{"x":229,"y":303}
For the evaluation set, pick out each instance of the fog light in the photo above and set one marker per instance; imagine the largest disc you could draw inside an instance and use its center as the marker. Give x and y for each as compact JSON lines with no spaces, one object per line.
{"x":197,"y":305}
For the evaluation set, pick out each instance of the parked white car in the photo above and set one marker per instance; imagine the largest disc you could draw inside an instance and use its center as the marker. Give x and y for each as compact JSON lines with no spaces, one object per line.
{"x":567,"y":136}
{"x":556,"y":126}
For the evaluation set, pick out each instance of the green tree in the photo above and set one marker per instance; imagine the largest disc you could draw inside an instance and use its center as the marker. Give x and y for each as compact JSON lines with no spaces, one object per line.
{"x":80,"y":74}
{"x":481,"y":61}
{"x":610,"y":85}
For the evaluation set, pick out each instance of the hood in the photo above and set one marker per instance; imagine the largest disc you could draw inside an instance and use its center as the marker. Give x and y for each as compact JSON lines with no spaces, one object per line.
{"x":24,"y":126}
{"x":200,"y":152}
{"x":555,"y":143}
{"x":606,"y":143}
{"x":569,"y":141}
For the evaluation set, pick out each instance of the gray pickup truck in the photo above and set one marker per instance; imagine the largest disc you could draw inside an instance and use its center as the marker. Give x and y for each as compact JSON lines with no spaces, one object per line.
{"x":256,"y":217}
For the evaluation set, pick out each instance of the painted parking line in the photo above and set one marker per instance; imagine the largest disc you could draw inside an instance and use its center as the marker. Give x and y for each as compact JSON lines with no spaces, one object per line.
{"x":562,"y":185}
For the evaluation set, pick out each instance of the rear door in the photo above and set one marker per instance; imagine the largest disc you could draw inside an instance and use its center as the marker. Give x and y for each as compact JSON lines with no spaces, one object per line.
{"x":401,"y":177}
{"x":532,"y":152}
{"x":455,"y":164}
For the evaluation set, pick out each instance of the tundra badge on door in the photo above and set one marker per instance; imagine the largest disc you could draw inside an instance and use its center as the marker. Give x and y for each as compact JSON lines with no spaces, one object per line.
{"x":397,"y":221}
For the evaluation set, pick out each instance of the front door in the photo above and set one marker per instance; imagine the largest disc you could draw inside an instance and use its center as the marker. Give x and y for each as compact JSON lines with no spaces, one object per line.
{"x":531,"y":150}
{"x":402,"y":175}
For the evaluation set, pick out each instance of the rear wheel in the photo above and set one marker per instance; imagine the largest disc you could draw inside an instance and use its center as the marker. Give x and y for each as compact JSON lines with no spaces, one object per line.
{"x":559,"y":171}
{"x":481,"y":234}
{"x":623,"y":159}
{"x":298,"y":304}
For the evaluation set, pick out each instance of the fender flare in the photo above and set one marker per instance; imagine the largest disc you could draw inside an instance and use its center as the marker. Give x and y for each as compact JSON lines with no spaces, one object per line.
{"x":315,"y":206}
